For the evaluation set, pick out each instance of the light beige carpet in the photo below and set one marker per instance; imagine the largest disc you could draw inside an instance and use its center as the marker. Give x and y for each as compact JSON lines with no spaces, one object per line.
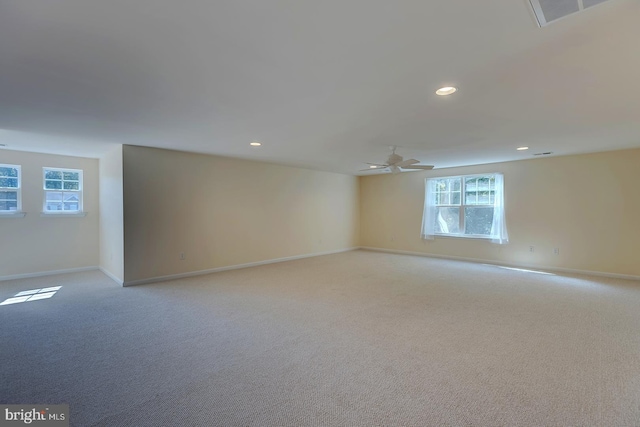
{"x":353,"y":339}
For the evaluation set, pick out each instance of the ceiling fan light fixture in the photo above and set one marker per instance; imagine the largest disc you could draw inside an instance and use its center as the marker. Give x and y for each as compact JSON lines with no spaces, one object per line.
{"x":447,"y":90}
{"x":396,"y":164}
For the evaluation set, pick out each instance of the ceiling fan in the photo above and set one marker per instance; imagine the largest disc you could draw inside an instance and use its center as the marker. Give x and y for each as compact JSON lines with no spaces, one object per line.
{"x":395,"y":163}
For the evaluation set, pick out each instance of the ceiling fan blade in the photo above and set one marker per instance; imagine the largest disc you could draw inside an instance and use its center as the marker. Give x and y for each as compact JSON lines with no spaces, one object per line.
{"x":423,"y":167}
{"x":394,"y":169}
{"x":407,"y":162}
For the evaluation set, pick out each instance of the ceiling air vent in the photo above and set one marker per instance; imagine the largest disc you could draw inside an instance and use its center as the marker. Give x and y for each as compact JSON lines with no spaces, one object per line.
{"x":548,"y":11}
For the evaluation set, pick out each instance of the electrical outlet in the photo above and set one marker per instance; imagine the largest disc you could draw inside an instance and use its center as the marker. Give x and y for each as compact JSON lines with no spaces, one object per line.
{"x":532,"y":249}
{"x":556,"y":251}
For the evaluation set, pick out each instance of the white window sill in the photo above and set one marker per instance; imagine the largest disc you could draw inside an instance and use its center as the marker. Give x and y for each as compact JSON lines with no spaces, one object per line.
{"x":60,"y":214}
{"x":462,"y":236}
{"x":12,"y":214}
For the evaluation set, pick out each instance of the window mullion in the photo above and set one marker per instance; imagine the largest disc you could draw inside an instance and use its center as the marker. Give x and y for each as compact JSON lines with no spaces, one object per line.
{"x":463,"y":193}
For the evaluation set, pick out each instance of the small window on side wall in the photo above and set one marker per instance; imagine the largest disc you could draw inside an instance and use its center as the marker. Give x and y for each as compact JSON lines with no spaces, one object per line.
{"x":62,"y":191}
{"x":10,"y":189}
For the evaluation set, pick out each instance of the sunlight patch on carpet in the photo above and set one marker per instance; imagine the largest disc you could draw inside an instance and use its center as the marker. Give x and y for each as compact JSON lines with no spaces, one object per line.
{"x":31,"y":295}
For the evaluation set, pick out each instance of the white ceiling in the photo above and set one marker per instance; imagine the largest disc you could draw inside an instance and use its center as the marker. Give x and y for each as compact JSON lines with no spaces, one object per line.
{"x":322,"y":84}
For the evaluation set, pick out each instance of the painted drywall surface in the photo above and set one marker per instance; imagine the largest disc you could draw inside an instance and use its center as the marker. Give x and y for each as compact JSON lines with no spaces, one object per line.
{"x":585,"y":205}
{"x":222,"y":212}
{"x":111,"y":214}
{"x":35,"y":244}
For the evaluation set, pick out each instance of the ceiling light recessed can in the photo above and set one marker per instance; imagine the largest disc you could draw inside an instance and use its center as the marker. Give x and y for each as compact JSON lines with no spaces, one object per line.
{"x":522,"y":148}
{"x":373,"y":167}
{"x":255,"y":144}
{"x":447,"y":90}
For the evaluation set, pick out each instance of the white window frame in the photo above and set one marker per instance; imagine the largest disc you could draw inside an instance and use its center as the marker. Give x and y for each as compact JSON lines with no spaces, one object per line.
{"x":430,"y":216}
{"x":18,"y":190}
{"x":462,"y":205}
{"x":79,"y":192}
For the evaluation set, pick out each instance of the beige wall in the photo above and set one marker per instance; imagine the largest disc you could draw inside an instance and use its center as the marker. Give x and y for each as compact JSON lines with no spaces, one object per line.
{"x":111,"y":214}
{"x":224,"y":212}
{"x":588,"y":206}
{"x":34,"y":244}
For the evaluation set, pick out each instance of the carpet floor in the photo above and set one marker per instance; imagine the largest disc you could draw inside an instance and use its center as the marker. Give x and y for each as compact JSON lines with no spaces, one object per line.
{"x":352,"y":339}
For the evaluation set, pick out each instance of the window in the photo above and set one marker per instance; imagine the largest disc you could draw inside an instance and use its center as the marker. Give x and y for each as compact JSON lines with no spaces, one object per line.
{"x":10,"y":197}
{"x":465,"y":206}
{"x":62,"y":190}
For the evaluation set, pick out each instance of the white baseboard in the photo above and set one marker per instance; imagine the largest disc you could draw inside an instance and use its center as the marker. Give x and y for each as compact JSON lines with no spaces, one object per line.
{"x":231,"y":267}
{"x":112,"y":276}
{"x":507,"y":264}
{"x":46,"y":273}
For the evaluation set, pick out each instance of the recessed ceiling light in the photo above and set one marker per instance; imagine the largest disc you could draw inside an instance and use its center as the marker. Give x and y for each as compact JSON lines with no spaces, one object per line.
{"x":447,"y":90}
{"x":373,"y":167}
{"x":255,"y":144}
{"x":522,"y":148}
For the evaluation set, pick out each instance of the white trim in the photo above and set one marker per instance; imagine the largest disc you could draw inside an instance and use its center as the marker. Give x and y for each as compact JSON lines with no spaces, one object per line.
{"x":112,"y":276}
{"x":12,"y":214}
{"x":232,"y":267}
{"x":507,"y":264}
{"x":464,"y":236}
{"x":532,"y":13}
{"x":538,"y":13}
{"x":46,"y":273}
{"x":60,"y":214}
